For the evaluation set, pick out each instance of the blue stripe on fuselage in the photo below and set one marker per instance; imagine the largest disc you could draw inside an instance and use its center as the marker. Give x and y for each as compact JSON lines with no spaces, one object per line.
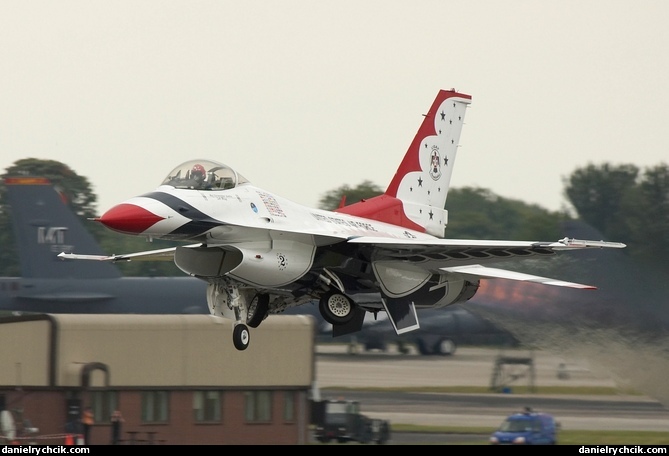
{"x":199,"y":223}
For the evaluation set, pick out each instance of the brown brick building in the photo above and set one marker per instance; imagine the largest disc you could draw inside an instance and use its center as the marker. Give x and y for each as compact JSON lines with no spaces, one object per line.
{"x":177,"y":379}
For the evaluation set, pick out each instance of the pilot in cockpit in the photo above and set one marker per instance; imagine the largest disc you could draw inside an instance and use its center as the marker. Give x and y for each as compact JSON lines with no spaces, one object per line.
{"x":203,"y":175}
{"x":198,"y":174}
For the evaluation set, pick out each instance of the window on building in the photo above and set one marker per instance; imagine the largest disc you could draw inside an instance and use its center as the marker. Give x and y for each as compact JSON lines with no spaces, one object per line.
{"x":207,"y":406}
{"x":258,"y":406}
{"x":155,"y":406}
{"x":103,"y":404}
{"x":289,"y":406}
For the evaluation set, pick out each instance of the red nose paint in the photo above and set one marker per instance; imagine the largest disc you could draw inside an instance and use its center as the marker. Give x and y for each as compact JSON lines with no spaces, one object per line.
{"x":128,"y":218}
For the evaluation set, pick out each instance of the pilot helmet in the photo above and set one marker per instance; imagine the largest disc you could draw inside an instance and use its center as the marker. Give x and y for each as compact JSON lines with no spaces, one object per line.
{"x":198,"y":171}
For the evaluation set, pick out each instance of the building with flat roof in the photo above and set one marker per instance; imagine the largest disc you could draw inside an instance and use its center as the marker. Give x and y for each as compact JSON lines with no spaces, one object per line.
{"x":177,"y":379}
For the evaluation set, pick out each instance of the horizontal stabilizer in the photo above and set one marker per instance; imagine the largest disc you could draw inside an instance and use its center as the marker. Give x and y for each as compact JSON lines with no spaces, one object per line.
{"x":478,"y":271}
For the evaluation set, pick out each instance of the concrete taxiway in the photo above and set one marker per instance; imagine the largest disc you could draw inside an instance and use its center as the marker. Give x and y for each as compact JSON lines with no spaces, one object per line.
{"x":337,"y":371}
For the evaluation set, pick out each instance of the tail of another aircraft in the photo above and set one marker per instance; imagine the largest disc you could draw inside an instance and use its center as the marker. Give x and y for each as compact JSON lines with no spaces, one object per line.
{"x":44,"y":226}
{"x":416,"y":196}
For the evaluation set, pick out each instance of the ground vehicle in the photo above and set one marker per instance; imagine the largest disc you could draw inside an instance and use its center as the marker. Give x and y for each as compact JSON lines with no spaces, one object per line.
{"x":380,"y":430}
{"x":341,"y":420}
{"x":527,"y":428}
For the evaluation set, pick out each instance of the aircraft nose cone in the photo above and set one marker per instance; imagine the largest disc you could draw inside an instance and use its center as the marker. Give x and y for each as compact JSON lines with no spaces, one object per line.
{"x":129,"y":218}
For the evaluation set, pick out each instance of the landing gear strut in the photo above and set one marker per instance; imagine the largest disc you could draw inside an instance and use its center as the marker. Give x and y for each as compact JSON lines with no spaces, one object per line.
{"x":225,"y":299}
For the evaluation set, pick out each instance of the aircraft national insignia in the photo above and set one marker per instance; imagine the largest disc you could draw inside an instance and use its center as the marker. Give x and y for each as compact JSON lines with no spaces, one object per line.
{"x":435,"y":164}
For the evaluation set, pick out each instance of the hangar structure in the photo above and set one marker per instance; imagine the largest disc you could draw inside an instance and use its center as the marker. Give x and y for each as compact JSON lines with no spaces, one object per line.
{"x":175,"y":378}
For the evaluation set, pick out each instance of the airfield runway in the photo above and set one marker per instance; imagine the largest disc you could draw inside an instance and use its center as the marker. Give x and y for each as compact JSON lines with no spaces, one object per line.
{"x":338,"y":374}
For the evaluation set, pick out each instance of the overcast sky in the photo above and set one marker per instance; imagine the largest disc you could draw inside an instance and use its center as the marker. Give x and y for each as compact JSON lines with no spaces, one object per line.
{"x":302,"y":97}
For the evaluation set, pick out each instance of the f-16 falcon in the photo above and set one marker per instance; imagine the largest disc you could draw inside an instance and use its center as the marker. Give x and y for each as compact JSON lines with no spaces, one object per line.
{"x":260,"y":253}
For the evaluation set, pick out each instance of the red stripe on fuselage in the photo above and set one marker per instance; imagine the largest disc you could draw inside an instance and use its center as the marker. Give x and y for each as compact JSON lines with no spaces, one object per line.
{"x":128,"y":218}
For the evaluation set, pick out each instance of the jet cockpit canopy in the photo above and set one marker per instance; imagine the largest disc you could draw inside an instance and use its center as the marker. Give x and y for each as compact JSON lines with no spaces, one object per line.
{"x":204,"y":175}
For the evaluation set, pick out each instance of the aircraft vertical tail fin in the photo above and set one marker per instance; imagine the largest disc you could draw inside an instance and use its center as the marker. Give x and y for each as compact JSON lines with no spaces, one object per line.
{"x":44,"y":225}
{"x":416,"y":196}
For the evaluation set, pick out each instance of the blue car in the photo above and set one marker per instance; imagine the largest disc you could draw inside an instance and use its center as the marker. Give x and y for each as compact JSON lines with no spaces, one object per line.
{"x":527,"y":428}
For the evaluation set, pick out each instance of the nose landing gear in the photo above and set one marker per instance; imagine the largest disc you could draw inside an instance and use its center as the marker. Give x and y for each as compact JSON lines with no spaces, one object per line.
{"x":241,"y":337}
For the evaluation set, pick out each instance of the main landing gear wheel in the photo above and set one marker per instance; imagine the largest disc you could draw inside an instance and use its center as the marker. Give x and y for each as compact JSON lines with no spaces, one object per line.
{"x":241,"y":336}
{"x":257,"y":310}
{"x":336,"y":308}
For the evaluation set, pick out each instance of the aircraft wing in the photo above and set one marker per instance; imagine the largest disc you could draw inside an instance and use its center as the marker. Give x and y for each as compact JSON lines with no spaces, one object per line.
{"x":463,"y":256}
{"x":478,"y":271}
{"x":441,"y":253}
{"x":417,"y":245}
{"x":148,"y":255}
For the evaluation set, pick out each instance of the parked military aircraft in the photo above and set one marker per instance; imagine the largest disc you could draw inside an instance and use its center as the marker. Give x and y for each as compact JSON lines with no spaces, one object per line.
{"x":441,"y":331}
{"x":45,"y":225}
{"x":261,"y":253}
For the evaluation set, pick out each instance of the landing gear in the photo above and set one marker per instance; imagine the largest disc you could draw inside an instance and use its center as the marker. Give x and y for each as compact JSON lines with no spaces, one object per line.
{"x":244,"y":307}
{"x":241,"y":336}
{"x":257,"y":310}
{"x":336,"y":308}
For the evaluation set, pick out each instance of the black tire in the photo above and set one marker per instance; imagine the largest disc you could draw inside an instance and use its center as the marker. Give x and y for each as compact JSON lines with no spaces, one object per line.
{"x":258,"y":309}
{"x":336,"y":308}
{"x":241,"y":337}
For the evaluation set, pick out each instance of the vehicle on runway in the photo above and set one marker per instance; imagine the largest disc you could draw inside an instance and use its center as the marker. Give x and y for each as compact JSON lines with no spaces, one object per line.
{"x":341,"y":421}
{"x":526,"y":428}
